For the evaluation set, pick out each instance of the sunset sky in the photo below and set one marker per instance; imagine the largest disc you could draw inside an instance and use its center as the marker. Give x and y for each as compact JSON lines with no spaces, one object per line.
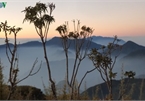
{"x":123,"y":18}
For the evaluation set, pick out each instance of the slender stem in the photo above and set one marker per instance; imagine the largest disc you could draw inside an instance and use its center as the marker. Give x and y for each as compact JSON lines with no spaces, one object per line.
{"x":48,"y":67}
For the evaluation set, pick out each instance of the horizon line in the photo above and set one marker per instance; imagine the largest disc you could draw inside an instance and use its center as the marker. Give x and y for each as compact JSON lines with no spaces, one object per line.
{"x":60,"y":36}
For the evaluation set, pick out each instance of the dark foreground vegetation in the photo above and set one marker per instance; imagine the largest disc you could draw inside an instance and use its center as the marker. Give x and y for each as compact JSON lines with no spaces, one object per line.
{"x":23,"y":93}
{"x":133,"y":89}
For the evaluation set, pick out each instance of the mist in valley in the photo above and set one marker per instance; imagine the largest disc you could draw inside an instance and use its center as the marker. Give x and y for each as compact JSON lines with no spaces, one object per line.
{"x":56,"y":56}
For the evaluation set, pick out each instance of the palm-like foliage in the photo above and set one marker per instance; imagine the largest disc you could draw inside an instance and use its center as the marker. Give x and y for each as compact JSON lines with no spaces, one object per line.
{"x":38,"y":15}
{"x":84,"y":33}
{"x":8,"y":29}
{"x":81,"y":42}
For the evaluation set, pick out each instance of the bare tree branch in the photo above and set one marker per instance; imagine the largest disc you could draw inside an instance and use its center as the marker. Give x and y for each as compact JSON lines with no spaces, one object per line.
{"x":30,"y":73}
{"x":85,"y":76}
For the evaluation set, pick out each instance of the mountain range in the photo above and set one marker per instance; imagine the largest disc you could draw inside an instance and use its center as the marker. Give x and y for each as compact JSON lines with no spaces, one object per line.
{"x":105,"y":40}
{"x":56,"y":41}
{"x":132,"y":57}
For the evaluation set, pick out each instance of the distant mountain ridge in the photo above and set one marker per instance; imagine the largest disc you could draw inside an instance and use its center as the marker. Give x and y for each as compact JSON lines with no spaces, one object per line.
{"x":31,"y":44}
{"x":105,"y":40}
{"x":127,"y":47}
{"x":55,"y":41}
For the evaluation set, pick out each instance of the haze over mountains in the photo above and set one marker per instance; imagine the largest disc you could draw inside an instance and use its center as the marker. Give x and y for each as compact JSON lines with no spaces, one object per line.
{"x":132,"y":57}
{"x":105,"y":40}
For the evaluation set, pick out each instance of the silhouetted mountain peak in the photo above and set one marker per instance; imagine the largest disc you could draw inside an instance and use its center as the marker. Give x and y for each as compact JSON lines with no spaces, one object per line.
{"x":55,"y":38}
{"x":54,"y":41}
{"x":130,"y":46}
{"x":130,"y":43}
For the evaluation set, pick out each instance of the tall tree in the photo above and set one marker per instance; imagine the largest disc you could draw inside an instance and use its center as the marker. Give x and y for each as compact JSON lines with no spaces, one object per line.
{"x":81,"y":43}
{"x":104,"y":62}
{"x":11,"y":53}
{"x":41,"y":18}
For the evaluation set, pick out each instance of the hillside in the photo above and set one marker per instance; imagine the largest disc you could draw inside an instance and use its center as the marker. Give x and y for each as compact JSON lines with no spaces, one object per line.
{"x":140,"y":53}
{"x":130,"y":46}
{"x":131,"y":86}
{"x":24,"y":93}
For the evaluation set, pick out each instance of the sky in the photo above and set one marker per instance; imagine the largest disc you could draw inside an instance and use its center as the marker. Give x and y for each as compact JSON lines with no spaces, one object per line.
{"x":124,"y":18}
